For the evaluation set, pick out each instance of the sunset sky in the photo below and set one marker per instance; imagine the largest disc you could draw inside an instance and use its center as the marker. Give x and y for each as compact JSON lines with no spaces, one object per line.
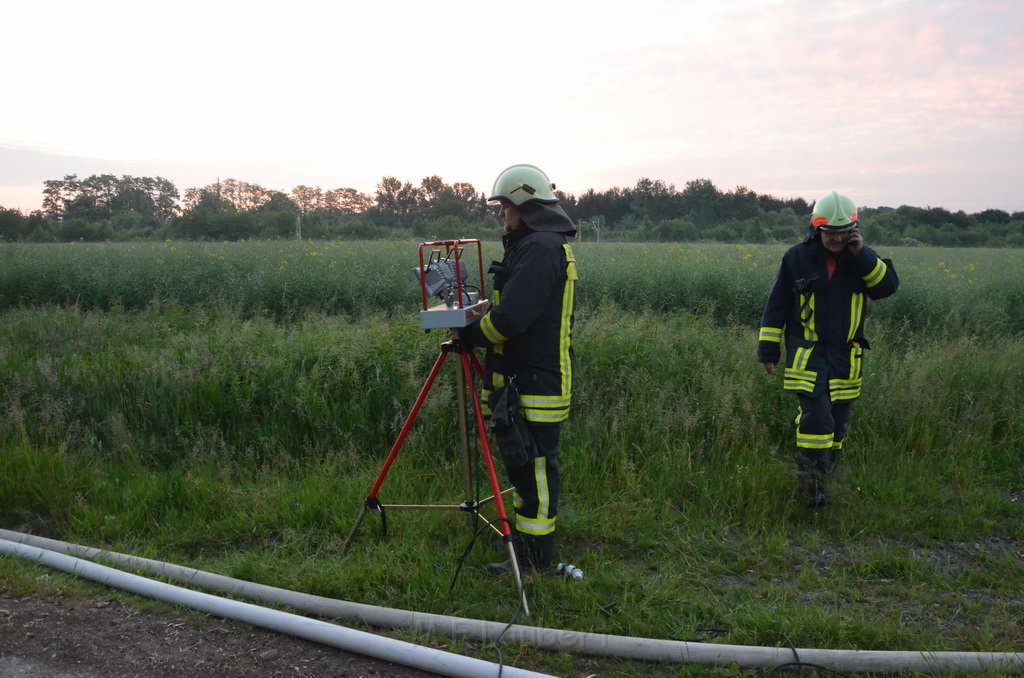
{"x":917,"y":102}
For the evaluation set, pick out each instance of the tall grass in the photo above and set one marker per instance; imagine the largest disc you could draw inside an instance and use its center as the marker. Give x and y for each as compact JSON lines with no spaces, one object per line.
{"x":973,"y":290}
{"x":226,"y":435}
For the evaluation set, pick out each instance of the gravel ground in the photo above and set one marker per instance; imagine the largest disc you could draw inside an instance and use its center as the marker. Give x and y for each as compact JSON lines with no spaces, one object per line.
{"x":67,"y":637}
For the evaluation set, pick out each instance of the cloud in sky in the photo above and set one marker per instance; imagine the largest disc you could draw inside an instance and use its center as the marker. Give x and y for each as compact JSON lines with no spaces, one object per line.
{"x":896,"y":102}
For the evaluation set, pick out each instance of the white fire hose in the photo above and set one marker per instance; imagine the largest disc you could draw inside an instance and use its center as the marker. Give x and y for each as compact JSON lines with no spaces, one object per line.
{"x":644,"y":649}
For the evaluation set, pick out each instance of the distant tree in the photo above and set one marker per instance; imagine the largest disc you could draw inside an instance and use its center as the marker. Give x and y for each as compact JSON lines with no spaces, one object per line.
{"x":436,"y":200}
{"x":993,"y":217}
{"x":347,"y":200}
{"x":396,"y":203}
{"x":78,"y":229}
{"x":97,"y":196}
{"x":277,"y":217}
{"x":165,"y":198}
{"x":208,"y":198}
{"x":13,"y":225}
{"x":677,"y":229}
{"x":474,"y":203}
{"x":431,"y":188}
{"x":243,"y":196}
{"x":212,"y":213}
{"x":654,"y":199}
{"x":740,"y":203}
{"x":276,"y":201}
{"x":104,"y":206}
{"x":103,"y":197}
{"x":308,"y":198}
{"x":613,"y":205}
{"x":57,"y":194}
{"x":701,"y":203}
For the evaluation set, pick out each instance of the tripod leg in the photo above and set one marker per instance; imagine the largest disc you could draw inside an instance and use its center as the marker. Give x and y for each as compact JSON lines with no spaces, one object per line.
{"x":517,"y":571}
{"x":371,"y":499}
{"x":359,"y":521}
{"x":470,"y":503}
{"x":492,"y":475}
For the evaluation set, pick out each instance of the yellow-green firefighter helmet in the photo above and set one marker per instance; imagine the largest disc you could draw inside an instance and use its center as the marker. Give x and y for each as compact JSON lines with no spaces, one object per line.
{"x":834,"y":212}
{"x":522,"y":183}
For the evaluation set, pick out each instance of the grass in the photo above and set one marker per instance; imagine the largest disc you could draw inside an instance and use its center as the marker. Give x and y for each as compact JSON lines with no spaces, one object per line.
{"x":947,"y":290}
{"x":240,"y":441}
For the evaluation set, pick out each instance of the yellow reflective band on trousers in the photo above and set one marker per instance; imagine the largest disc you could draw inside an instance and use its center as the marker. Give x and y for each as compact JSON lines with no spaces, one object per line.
{"x":814,"y":441}
{"x":543,"y":523}
{"x":545,"y":409}
{"x":798,"y":377}
{"x":843,"y":393}
{"x":773,"y":334}
{"x":849,"y":388}
{"x":876,"y":275}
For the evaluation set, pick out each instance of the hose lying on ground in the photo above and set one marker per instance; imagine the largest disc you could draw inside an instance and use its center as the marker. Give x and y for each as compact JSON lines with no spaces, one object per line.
{"x":646,"y":649}
{"x":360,"y":642}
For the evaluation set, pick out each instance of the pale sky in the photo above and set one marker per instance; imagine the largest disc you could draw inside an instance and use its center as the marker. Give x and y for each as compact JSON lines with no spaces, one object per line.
{"x":917,"y":102}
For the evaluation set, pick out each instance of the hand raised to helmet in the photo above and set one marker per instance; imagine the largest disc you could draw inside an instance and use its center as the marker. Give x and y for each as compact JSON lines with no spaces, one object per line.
{"x":856,"y":242}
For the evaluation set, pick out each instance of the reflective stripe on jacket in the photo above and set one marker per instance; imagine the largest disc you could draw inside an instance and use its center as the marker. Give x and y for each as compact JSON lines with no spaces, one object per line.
{"x":528,"y":330}
{"x":820,"y":319}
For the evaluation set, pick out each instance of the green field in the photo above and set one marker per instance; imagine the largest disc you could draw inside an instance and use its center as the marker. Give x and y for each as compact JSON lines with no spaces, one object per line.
{"x":227,"y":407}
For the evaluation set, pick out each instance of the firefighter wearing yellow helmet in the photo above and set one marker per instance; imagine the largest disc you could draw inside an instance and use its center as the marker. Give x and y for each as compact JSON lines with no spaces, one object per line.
{"x":817,"y":308}
{"x":527,"y":336}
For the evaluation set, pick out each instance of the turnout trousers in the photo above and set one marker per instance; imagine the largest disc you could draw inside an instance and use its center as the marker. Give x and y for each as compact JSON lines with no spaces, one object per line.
{"x":822,"y":424}
{"x":537,"y":484}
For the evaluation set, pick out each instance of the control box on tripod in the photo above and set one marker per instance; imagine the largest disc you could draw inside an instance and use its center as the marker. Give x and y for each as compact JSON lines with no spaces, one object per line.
{"x":444,"y":274}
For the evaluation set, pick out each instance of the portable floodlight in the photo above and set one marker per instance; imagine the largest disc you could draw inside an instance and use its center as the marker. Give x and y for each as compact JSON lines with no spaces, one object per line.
{"x":444,"y":275}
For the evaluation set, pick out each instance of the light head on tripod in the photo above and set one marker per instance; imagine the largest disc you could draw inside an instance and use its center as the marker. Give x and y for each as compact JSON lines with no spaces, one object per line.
{"x":443,"y":274}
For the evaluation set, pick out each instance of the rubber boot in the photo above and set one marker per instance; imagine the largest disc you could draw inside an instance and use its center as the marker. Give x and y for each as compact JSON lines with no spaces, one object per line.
{"x":532,"y":553}
{"x":504,"y":567}
{"x":500,"y":568}
{"x":812,"y":477}
{"x":539,"y":551}
{"x":827,"y":463}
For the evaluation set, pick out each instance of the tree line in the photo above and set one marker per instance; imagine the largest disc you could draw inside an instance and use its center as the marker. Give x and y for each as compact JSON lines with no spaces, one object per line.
{"x":110,"y":208}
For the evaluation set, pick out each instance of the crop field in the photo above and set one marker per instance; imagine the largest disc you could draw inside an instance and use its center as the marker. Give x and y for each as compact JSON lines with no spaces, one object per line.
{"x":227,"y":406}
{"x":284,"y":280}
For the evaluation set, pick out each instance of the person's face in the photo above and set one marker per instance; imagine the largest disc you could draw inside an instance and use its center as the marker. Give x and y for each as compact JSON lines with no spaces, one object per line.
{"x":835,"y":242}
{"x":509,"y":216}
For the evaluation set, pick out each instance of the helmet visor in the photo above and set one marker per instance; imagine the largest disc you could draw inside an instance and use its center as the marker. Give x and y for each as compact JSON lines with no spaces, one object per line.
{"x":838,"y":229}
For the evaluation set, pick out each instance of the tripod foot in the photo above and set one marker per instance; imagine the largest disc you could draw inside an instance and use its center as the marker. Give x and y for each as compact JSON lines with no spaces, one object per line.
{"x":370,"y":503}
{"x":517,"y":571}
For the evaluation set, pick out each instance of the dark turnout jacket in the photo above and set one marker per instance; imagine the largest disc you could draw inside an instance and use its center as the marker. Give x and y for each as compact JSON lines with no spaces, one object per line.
{"x":821,"y":317}
{"x":528,"y":330}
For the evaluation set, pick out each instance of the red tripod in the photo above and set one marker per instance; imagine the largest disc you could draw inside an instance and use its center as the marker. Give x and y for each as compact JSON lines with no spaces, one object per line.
{"x":457,"y":311}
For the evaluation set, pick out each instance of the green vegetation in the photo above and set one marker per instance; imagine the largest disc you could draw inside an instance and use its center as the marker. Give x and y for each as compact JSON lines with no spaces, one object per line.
{"x":228,"y":406}
{"x":109,"y":208}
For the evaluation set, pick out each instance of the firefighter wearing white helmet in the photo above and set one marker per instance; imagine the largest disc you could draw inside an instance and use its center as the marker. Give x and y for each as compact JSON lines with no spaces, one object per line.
{"x":816,"y":308}
{"x":834,"y":212}
{"x":519,"y":184}
{"x":527,"y":335}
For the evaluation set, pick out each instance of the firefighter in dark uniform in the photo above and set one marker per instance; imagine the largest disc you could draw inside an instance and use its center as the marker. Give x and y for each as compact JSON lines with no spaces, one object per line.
{"x":527,"y":334}
{"x":817,"y":306}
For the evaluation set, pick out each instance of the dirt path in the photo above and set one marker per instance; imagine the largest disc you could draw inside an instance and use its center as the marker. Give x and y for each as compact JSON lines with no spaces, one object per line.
{"x":67,"y":637}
